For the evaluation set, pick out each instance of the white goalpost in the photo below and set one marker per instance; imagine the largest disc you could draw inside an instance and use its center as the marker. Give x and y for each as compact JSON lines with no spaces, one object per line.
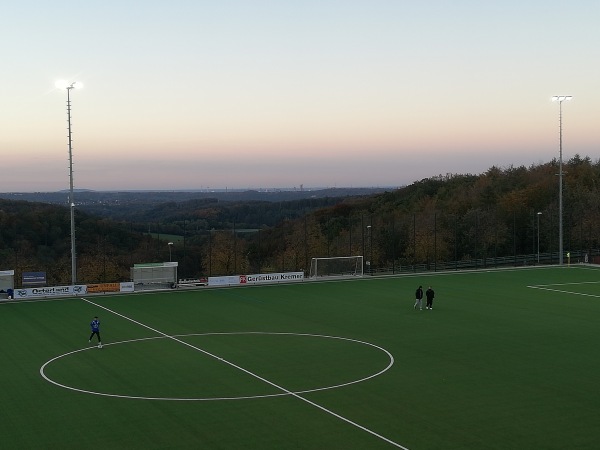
{"x":336,"y":266}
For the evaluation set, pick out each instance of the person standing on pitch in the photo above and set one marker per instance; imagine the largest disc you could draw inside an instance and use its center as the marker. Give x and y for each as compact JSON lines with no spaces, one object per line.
{"x":95,"y":325}
{"x":429,"y":294}
{"x":419,"y":297}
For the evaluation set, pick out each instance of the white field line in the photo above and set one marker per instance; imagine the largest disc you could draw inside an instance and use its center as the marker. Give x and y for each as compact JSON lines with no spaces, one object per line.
{"x":299,"y":397}
{"x":280,"y":394}
{"x":565,"y":284}
{"x":563,"y":292}
{"x":547,"y":287}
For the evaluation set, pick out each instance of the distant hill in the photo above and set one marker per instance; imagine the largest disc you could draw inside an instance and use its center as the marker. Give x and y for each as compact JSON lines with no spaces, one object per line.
{"x":84,"y":197}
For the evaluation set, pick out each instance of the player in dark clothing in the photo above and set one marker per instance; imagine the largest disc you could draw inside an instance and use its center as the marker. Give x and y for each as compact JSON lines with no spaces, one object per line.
{"x":95,"y":326}
{"x":419,"y":297}
{"x":429,"y":294}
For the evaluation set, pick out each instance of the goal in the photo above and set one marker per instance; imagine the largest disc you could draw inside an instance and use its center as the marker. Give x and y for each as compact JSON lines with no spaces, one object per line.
{"x":152,"y":276}
{"x":338,"y":266}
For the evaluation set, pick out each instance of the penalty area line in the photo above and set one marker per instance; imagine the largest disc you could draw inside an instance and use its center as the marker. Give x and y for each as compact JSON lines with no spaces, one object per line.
{"x":252,"y":374}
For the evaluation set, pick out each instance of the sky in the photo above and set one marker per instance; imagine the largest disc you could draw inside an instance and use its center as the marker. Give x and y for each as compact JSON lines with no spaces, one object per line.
{"x":280,"y":94}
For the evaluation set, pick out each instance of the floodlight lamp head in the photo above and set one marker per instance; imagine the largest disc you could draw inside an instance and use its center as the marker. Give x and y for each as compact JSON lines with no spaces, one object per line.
{"x":62,"y":84}
{"x":561,"y":98}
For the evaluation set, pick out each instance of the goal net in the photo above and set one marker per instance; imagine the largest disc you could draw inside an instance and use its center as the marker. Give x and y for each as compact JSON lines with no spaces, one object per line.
{"x":152,"y":276}
{"x":338,"y":266}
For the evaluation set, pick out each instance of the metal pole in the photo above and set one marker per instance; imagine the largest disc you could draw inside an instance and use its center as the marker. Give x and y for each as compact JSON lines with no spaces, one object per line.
{"x":393,"y":245}
{"x":259,"y":260}
{"x":414,"y":242}
{"x":538,"y":236}
{"x":435,"y":241}
{"x":362,"y":232}
{"x":235,"y":252}
{"x":370,"y":227}
{"x":560,"y":99}
{"x":370,"y":237}
{"x":71,"y":196}
{"x":560,"y":187}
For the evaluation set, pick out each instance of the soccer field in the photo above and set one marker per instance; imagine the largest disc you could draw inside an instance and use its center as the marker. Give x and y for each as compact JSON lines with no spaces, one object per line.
{"x":506,"y":360}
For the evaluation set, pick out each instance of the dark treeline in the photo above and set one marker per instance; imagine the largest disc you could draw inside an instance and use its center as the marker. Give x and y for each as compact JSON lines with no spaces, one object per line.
{"x":207,"y":214}
{"x":36,"y":236}
{"x":429,"y":223}
{"x":436,"y":223}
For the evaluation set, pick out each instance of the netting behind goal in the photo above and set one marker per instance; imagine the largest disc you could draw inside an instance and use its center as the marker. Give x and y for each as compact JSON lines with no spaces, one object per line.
{"x":338,"y":266}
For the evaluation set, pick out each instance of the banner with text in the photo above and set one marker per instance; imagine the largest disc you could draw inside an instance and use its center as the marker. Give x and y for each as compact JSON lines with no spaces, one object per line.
{"x":33,"y":279}
{"x":55,"y":291}
{"x":103,"y":287}
{"x":237,"y":280}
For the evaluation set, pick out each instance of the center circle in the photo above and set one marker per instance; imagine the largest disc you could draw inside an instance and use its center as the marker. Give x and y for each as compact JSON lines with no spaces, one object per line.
{"x":216,"y":357}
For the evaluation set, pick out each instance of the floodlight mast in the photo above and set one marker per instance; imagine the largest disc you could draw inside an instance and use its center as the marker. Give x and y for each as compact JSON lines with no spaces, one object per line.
{"x":560,"y":99}
{"x":69,"y":87}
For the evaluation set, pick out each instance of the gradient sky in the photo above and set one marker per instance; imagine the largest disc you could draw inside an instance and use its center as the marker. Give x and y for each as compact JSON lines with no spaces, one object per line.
{"x":258,"y":94}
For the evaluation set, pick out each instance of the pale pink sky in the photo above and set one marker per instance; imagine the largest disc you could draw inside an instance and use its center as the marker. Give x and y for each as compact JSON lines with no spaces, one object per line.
{"x":194,"y":94}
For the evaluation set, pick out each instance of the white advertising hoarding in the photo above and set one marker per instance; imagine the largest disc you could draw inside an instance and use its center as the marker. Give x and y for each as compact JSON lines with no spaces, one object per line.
{"x":224,"y":281}
{"x":54,"y":291}
{"x":127,"y":286}
{"x":241,"y":280}
{"x":271,"y":277}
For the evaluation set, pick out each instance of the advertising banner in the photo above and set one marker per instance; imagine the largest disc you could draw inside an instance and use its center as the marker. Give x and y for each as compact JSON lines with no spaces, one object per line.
{"x":272,"y":277}
{"x":236,"y":280}
{"x":103,"y":287}
{"x":34,"y":279}
{"x":127,"y":286}
{"x":55,"y":291}
{"x":224,"y":281}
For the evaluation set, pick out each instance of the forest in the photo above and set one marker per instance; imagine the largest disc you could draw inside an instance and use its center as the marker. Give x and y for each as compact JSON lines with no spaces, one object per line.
{"x":503,"y":216}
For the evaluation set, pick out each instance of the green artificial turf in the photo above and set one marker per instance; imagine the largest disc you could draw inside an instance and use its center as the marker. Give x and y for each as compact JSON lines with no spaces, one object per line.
{"x":505,"y":360}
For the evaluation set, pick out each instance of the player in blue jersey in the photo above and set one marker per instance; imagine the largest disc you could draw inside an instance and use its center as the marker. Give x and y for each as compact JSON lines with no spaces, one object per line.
{"x":95,"y":325}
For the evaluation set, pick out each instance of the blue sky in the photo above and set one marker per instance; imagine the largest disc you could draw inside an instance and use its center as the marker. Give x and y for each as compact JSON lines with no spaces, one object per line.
{"x":239,"y":94}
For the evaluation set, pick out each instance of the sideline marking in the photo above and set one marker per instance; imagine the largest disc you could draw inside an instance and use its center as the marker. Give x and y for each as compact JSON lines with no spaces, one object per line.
{"x":135,"y":397}
{"x":246,"y":371}
{"x":546,"y":287}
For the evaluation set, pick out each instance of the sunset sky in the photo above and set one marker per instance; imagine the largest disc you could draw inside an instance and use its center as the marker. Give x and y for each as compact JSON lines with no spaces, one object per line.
{"x":260,"y":94}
